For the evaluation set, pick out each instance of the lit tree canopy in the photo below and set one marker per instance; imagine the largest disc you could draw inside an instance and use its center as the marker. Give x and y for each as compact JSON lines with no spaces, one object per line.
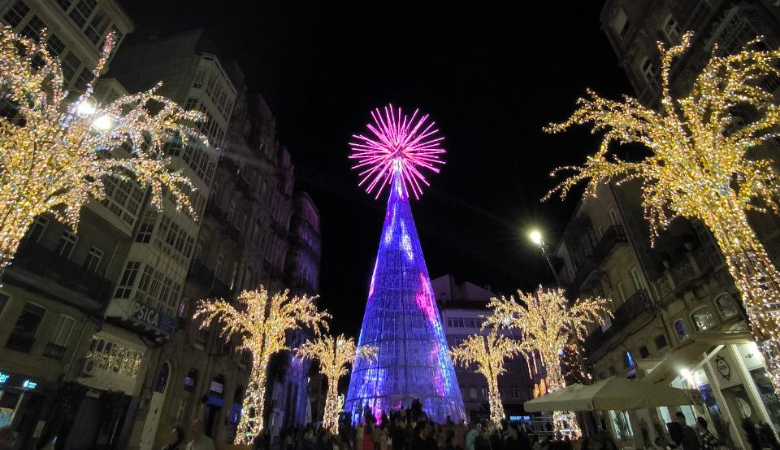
{"x":701,"y":165}
{"x":55,"y":152}
{"x":488,"y":353}
{"x":260,"y":324}
{"x":334,"y":355}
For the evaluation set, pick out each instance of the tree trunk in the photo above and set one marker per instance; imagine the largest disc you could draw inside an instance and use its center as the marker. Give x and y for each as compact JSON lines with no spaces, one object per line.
{"x":15,"y":220}
{"x":755,"y":277}
{"x":494,"y":401}
{"x":330,"y":417}
{"x":252,"y":410}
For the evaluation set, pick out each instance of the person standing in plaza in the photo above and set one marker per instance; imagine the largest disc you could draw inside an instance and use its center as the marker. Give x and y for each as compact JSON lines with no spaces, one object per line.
{"x":199,"y":440}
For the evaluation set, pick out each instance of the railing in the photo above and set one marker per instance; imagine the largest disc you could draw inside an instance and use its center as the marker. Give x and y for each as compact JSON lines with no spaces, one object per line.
{"x":628,"y":312}
{"x":48,"y":263}
{"x":214,"y":210}
{"x":690,"y":267}
{"x":611,"y":238}
{"x":54,"y":351}
{"x":204,"y":276}
{"x":220,"y":289}
{"x":20,"y":342}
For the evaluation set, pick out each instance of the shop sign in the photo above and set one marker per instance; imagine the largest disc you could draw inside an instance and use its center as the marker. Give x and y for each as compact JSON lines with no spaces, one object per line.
{"x":4,"y":377}
{"x":153,"y":318}
{"x":29,"y":384}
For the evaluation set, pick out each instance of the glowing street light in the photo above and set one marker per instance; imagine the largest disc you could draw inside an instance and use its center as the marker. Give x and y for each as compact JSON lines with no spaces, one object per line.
{"x":103,"y":123}
{"x":85,"y":108}
{"x":536,"y":237}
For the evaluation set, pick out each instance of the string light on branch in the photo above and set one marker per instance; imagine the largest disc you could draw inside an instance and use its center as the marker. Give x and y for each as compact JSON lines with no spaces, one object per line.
{"x":260,"y":324}
{"x":701,"y":166}
{"x":488,"y":353}
{"x":334,"y":355}
{"x":546,"y":324}
{"x":55,"y":154}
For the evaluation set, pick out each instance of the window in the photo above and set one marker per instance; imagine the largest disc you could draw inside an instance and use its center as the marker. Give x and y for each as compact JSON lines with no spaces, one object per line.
{"x":127,"y":282}
{"x":620,"y":23}
{"x":621,"y":295}
{"x":63,"y":330}
{"x":238,"y":397}
{"x":637,"y":277}
{"x":34,"y":28}
{"x":85,"y":76}
{"x":681,"y":329}
{"x":37,"y":229}
{"x":16,"y":13}
{"x":703,"y":319}
{"x":94,"y":258}
{"x":82,"y":11}
{"x":66,"y":244}
{"x":146,"y":228}
{"x":484,"y":392}
{"x":647,"y":69}
{"x":182,"y":309}
{"x":64,"y":4}
{"x":217,"y":387}
{"x":233,"y":275}
{"x":660,"y":341}
{"x":97,"y":26}
{"x":55,"y":45}
{"x":26,"y":327}
{"x":218,"y":266}
{"x":473,"y":393}
{"x":191,"y":104}
{"x":70,"y":64}
{"x":726,"y":305}
{"x":670,"y":29}
{"x":644,"y":352}
{"x":190,"y":379}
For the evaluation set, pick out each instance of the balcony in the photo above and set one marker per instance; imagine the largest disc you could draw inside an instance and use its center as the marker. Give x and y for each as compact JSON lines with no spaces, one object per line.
{"x":214,"y":210}
{"x":47,"y":263}
{"x":682,"y":273}
{"x":220,"y":289}
{"x":633,"y":308}
{"x":204,"y":276}
{"x":613,"y":237}
{"x":21,"y":342}
{"x":54,"y":351}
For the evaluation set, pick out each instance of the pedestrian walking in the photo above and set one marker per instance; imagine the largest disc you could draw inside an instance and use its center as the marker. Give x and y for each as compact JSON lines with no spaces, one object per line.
{"x":199,"y":440}
{"x":175,"y":439}
{"x":683,"y":435}
{"x":708,"y":441}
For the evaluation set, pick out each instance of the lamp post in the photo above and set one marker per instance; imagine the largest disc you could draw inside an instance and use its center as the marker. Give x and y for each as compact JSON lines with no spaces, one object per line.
{"x":536,"y":238}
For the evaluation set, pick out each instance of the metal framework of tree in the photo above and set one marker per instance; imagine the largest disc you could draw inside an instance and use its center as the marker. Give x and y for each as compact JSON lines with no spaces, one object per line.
{"x":334,"y":355}
{"x":56,"y":152}
{"x":260,"y":324}
{"x":546,"y":325}
{"x":488,"y":353}
{"x":701,"y":166}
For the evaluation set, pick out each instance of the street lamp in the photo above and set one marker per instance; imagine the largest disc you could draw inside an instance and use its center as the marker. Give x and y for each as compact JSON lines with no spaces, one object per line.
{"x":536,"y":238}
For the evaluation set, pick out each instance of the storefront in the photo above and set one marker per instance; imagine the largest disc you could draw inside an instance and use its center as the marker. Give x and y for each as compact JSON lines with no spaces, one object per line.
{"x":22,"y":399}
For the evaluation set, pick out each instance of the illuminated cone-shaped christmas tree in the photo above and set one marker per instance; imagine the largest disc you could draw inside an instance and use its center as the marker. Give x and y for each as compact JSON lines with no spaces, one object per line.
{"x":401,"y":318}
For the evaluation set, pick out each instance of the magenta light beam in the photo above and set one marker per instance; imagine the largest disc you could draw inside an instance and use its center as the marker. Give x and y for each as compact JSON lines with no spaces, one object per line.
{"x":397,"y":142}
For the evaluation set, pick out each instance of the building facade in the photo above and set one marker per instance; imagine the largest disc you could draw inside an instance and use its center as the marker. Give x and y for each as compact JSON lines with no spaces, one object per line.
{"x":463,"y":307}
{"x":677,"y":317}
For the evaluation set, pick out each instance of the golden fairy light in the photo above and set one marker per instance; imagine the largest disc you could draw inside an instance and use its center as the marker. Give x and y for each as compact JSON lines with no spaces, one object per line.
{"x":488,"y":353}
{"x":334,"y":354}
{"x":260,"y":324}
{"x":55,"y":153}
{"x":546,"y":325}
{"x":701,"y":166}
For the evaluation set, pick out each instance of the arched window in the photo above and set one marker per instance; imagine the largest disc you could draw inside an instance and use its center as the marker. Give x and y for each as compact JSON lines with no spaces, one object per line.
{"x":670,"y":29}
{"x":703,"y":319}
{"x":727,"y":306}
{"x":681,"y":329}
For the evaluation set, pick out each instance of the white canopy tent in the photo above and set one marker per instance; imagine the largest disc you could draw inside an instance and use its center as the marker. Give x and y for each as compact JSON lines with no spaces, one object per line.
{"x":618,"y":394}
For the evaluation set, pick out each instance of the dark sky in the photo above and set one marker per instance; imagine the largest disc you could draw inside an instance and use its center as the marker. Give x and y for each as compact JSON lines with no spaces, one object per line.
{"x":490,"y":73}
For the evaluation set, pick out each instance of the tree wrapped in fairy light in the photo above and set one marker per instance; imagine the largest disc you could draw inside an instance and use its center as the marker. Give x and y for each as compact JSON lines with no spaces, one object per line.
{"x":334,"y":355}
{"x":488,"y":353}
{"x":701,"y":166}
{"x":546,"y":325}
{"x":56,"y":152}
{"x":260,"y":323}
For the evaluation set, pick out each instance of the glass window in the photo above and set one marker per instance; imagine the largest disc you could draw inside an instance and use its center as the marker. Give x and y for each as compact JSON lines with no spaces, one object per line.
{"x":127,"y":282}
{"x":621,"y":23}
{"x":66,"y":244}
{"x":36,"y":230}
{"x":638,"y":282}
{"x":94,"y":258}
{"x":727,"y":306}
{"x":85,"y":76}
{"x":55,"y":45}
{"x":97,"y":26}
{"x":681,"y":329}
{"x":660,"y":341}
{"x":146,"y":228}
{"x":28,"y":322}
{"x":16,"y":13}
{"x":162,"y":379}
{"x":64,"y":4}
{"x":82,"y":11}
{"x":647,"y":68}
{"x":70,"y":64}
{"x":670,"y":29}
{"x":63,"y":329}
{"x":34,"y":28}
{"x":703,"y":319}
{"x":190,"y":380}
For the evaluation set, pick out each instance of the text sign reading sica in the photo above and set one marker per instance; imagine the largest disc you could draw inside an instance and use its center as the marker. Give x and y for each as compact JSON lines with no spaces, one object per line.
{"x":153,"y":318}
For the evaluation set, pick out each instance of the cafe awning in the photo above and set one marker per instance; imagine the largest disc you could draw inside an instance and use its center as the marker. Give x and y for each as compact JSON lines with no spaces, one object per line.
{"x":612,"y":394}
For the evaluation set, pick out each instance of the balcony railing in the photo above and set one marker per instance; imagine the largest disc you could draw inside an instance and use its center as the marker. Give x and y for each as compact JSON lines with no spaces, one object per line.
{"x":204,"y":276}
{"x":611,"y":238}
{"x":20,"y":342}
{"x":54,"y":351}
{"x":690,"y":267}
{"x":48,"y":263}
{"x":634,"y":306}
{"x":214,"y":210}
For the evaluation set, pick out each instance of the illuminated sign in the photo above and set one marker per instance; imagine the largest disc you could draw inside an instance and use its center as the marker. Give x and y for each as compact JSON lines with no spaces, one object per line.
{"x":154,"y":318}
{"x":4,"y":377}
{"x":29,"y":384}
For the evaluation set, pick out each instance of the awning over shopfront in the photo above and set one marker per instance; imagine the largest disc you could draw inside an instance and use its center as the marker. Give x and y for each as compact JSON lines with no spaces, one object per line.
{"x":611,"y":394}
{"x":689,"y":354}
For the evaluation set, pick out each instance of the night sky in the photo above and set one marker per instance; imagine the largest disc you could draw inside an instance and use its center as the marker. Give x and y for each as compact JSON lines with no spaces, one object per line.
{"x":490,"y":75}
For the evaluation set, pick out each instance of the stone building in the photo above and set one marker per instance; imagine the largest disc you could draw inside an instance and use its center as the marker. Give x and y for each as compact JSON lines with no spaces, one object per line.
{"x":463,"y":307}
{"x":62,"y":367}
{"x":677,"y":318}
